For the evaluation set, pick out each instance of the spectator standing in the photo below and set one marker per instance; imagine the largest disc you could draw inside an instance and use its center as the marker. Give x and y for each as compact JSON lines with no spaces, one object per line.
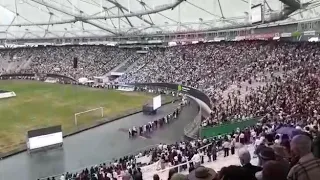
{"x":156,"y":177}
{"x":265,"y":154}
{"x":126,"y":175}
{"x":234,"y":173}
{"x":214,"y":152}
{"x":226,"y":147}
{"x":202,"y":173}
{"x":209,"y":153}
{"x":178,"y":176}
{"x":171,"y":173}
{"x":201,"y":153}
{"x":232,"y":145}
{"x":316,"y":146}
{"x":245,"y":158}
{"x":196,"y":159}
{"x":274,"y":170}
{"x":282,"y":157}
{"x":137,"y":175}
{"x":62,"y":177}
{"x":242,"y":138}
{"x":308,"y":166}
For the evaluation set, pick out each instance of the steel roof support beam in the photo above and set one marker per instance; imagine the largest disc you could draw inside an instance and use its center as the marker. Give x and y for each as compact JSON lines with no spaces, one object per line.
{"x":126,"y":18}
{"x":30,"y":23}
{"x":225,"y":19}
{"x":124,"y":8}
{"x":77,"y":18}
{"x":98,"y":26}
{"x":144,"y":6}
{"x":220,"y":9}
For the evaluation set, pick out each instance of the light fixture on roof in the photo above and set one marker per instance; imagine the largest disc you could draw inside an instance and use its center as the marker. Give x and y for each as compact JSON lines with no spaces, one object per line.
{"x":21,"y":2}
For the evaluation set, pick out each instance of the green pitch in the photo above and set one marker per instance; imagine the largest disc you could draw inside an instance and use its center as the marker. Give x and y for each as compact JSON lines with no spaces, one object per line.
{"x":39,"y":104}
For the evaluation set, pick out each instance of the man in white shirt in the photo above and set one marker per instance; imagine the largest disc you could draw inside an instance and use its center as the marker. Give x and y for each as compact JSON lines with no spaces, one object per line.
{"x":144,"y":128}
{"x":226,"y":147}
{"x":196,"y":160}
{"x":160,"y":146}
{"x":62,"y":177}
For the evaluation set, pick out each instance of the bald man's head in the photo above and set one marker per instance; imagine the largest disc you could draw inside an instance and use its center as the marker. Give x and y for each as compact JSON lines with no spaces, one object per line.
{"x":244,"y":156}
{"x":301,"y":145}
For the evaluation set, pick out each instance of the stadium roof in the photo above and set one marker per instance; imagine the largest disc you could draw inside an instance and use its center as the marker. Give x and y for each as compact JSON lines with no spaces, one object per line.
{"x":73,"y":18}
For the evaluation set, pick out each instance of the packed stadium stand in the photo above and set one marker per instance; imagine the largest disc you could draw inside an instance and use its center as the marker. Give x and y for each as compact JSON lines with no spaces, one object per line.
{"x":262,"y":66}
{"x":286,"y":74}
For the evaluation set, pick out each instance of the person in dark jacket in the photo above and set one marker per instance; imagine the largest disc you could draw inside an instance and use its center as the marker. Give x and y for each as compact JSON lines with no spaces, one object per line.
{"x":214,"y":152}
{"x":171,"y":173}
{"x":137,"y":175}
{"x":245,"y":158}
{"x":316,"y":146}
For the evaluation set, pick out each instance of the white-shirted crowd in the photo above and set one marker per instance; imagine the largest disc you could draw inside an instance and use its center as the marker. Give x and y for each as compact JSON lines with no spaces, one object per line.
{"x":278,"y":81}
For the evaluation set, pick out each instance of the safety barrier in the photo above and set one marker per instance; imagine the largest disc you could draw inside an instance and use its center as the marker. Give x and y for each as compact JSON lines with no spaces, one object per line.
{"x":226,"y":128}
{"x":163,"y":173}
{"x":34,"y":75}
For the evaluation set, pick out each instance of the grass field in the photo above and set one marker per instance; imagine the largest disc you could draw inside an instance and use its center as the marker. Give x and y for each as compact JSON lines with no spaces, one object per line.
{"x":39,"y":104}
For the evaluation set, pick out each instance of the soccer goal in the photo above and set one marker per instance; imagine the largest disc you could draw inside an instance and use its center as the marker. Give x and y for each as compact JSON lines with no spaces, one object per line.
{"x":94,"y":112}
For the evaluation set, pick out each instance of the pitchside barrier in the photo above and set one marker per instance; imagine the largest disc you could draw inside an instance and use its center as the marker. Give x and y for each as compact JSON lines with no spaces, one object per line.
{"x":226,"y":128}
{"x":44,"y":138}
{"x":33,"y":75}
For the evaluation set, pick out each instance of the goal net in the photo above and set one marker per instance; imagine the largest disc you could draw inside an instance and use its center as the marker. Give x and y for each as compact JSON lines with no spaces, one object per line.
{"x":89,"y":115}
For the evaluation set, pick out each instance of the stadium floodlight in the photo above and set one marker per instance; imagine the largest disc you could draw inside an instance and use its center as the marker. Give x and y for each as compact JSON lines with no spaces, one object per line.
{"x":83,"y":112}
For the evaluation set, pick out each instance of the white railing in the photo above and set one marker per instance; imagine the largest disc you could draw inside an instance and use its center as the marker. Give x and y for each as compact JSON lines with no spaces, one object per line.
{"x":148,"y":172}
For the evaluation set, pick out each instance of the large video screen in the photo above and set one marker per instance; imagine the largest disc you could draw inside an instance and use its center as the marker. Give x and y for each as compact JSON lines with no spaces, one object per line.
{"x":156,"y":102}
{"x":45,"y":140}
{"x":256,"y":14}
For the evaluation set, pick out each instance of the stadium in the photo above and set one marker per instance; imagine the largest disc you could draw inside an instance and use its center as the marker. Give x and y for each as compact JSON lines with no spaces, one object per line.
{"x":150,"y":89}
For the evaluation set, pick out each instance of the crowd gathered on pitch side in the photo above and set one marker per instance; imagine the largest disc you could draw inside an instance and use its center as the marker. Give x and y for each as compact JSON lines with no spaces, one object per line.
{"x":276,"y":80}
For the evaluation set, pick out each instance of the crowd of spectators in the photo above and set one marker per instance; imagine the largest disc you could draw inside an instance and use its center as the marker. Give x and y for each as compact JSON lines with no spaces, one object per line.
{"x":92,"y":60}
{"x":286,"y":90}
{"x":282,"y":155}
{"x":280,"y":68}
{"x":280,"y":82}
